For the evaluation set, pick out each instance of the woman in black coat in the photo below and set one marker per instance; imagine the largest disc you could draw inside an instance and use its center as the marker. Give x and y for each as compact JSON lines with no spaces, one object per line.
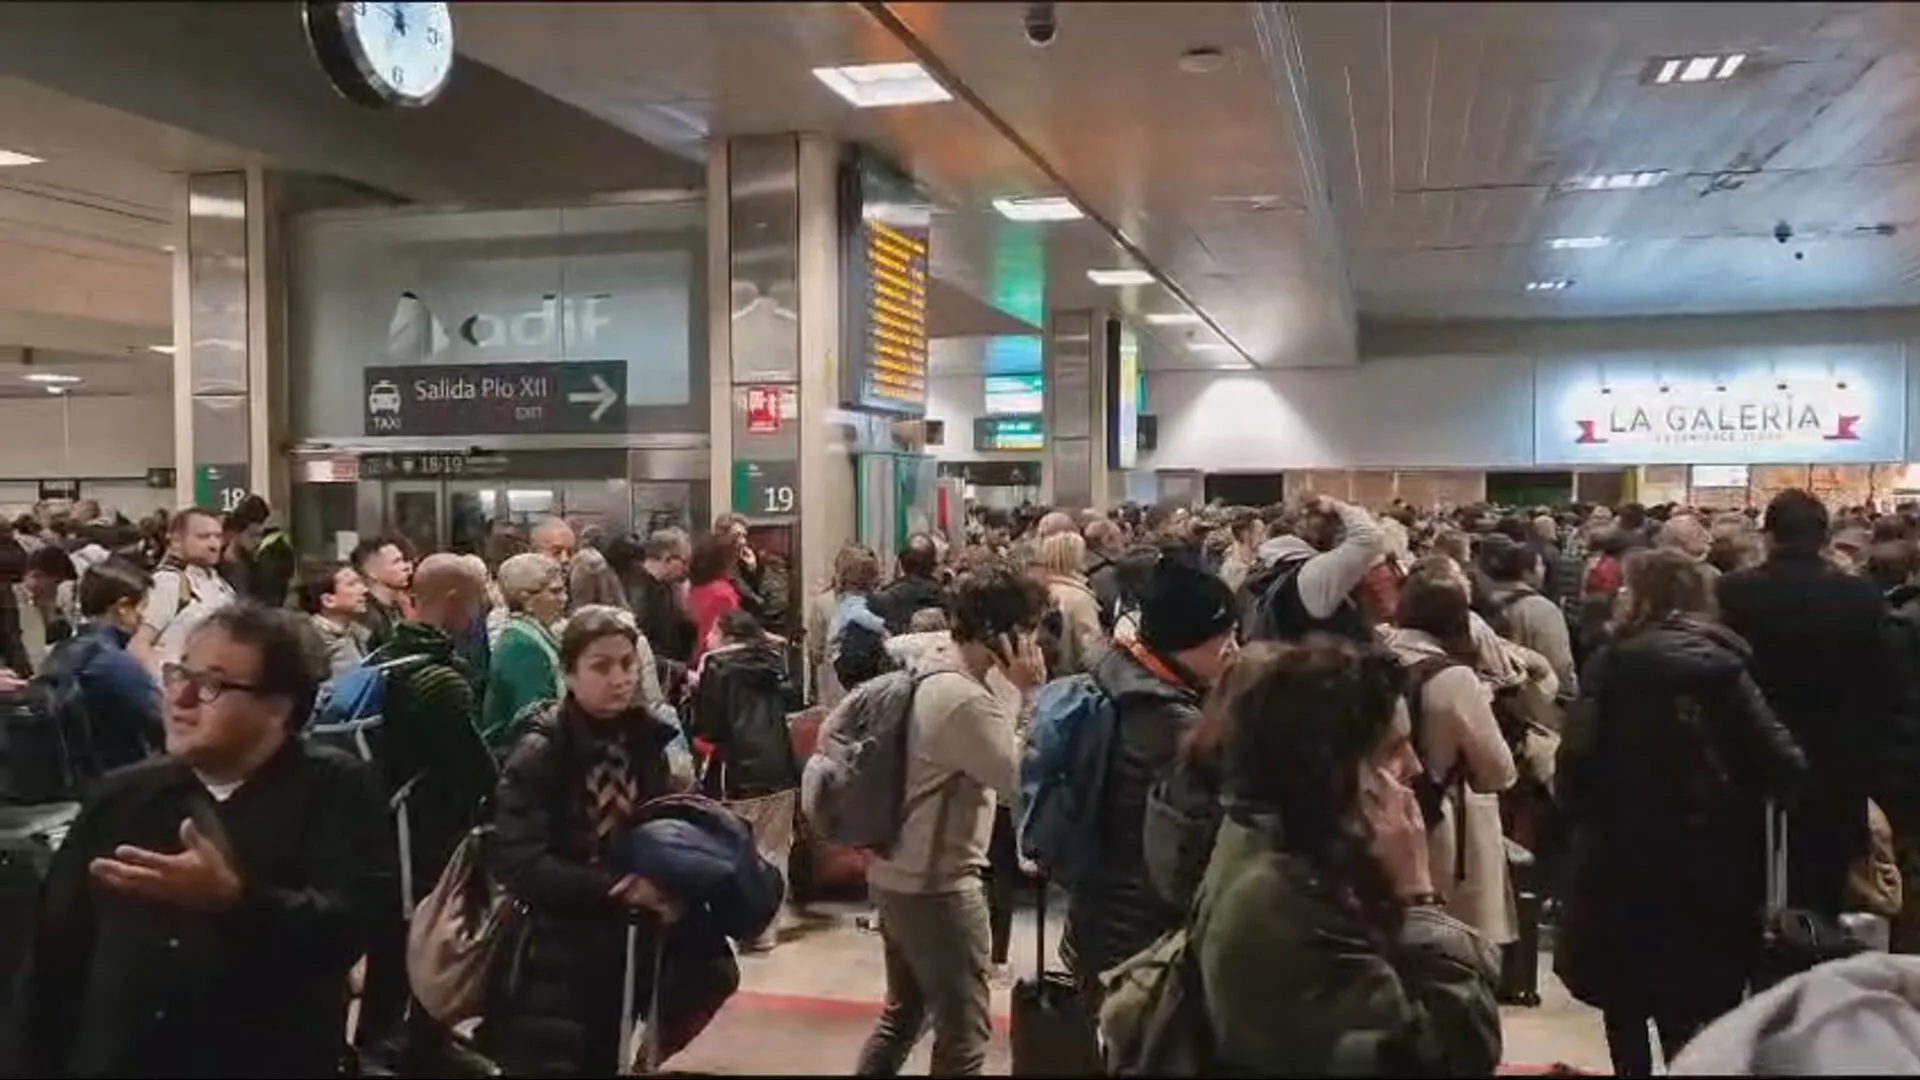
{"x":568,"y":792}
{"x":1664,"y":775}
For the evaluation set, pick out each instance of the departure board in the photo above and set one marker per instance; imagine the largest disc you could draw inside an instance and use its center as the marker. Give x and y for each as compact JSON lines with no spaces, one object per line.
{"x":886,"y":224}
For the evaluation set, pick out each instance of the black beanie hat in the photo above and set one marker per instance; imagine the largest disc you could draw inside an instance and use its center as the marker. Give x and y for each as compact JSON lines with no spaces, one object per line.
{"x":1182,"y":607}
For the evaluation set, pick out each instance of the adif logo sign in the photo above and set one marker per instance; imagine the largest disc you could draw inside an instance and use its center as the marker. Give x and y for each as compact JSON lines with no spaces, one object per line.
{"x":416,"y":332}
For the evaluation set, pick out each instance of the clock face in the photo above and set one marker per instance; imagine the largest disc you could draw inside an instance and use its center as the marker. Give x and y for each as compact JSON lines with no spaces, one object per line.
{"x":395,"y":53}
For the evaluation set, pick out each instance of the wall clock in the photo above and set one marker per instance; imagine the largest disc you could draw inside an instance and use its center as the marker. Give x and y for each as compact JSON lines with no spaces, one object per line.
{"x":383,"y":55}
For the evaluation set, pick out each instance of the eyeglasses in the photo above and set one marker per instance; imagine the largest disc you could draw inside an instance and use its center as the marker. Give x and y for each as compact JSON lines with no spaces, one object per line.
{"x":207,"y":687}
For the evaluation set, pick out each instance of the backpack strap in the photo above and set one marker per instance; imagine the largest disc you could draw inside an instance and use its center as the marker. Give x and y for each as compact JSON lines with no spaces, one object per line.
{"x":1419,"y":675}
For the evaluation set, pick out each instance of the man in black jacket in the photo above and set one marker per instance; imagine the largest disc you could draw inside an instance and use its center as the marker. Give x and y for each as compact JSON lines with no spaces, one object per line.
{"x":916,"y":587}
{"x":1823,"y":653}
{"x":181,"y":933}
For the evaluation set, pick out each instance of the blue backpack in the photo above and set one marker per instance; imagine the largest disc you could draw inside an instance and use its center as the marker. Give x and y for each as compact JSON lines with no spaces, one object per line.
{"x":1063,"y":776}
{"x":357,"y":697}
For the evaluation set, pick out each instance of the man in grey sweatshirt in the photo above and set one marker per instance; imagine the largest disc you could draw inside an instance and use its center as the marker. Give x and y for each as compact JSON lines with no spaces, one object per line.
{"x":962,"y":759}
{"x":1304,"y":581}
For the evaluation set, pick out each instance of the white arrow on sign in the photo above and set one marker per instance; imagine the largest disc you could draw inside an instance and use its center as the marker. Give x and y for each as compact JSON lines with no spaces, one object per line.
{"x":602,"y":397}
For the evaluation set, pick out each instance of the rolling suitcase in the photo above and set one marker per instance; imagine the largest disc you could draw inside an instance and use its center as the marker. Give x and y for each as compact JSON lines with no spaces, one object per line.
{"x":1520,"y":958}
{"x":1052,"y":1032}
{"x":816,"y":868}
{"x":1795,"y":940}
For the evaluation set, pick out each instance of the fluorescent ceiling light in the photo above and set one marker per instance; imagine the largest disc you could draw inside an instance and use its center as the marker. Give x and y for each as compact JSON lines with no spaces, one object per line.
{"x":50,"y":377}
{"x":10,"y":158}
{"x":1578,"y":243}
{"x":1708,"y":67}
{"x":1620,"y":181}
{"x":1211,"y":347}
{"x":879,"y":86}
{"x":1044,"y":208}
{"x":1120,"y":277}
{"x":1173,"y":318}
{"x":216,"y":206}
{"x":56,"y":389}
{"x":1551,"y":285}
{"x":163,"y":350}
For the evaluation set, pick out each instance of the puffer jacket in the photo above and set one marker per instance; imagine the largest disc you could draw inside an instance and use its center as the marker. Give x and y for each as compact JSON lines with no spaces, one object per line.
{"x":1664,"y":772}
{"x":554,"y":993}
{"x":1297,"y":983}
{"x":1115,"y":910}
{"x":740,"y":707}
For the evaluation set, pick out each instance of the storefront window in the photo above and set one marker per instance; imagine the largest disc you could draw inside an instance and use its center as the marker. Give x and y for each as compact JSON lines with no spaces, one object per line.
{"x":437,"y":323}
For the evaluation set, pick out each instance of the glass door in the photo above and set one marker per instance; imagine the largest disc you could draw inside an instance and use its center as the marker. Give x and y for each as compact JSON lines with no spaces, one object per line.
{"x":414,"y":513}
{"x":471,"y":508}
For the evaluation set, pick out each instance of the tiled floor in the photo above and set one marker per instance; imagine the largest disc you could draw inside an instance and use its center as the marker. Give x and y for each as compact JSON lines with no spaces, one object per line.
{"x":805,"y":1008}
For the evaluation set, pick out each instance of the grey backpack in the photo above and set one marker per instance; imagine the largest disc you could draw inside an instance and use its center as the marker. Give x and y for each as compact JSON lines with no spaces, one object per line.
{"x":853,"y":790}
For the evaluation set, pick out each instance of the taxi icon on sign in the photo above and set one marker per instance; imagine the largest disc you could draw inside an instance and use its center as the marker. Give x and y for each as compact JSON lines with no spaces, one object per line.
{"x":383,"y":398}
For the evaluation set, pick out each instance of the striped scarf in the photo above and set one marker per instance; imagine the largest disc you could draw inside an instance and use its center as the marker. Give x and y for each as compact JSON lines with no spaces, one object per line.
{"x":611,"y":791}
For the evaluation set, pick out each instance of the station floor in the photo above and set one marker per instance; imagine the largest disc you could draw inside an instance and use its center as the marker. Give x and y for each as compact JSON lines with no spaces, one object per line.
{"x":805,"y":1008}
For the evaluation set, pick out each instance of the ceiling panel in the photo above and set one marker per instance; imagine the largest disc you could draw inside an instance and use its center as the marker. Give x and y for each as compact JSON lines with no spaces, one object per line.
{"x":1449,"y":130}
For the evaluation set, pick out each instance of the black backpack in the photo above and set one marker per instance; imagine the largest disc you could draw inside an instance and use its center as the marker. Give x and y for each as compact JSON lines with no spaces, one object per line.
{"x":47,"y":749}
{"x":859,"y":654}
{"x":1273,"y":611}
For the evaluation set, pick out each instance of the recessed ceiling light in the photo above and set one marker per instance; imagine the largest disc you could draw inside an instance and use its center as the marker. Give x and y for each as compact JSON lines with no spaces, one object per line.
{"x":1210,"y":347}
{"x":1173,"y":318}
{"x":1550,"y":285}
{"x":1120,"y":277}
{"x":1707,"y":67}
{"x":50,"y":377}
{"x":1619,"y":181}
{"x":1578,"y":243}
{"x":1043,"y":208}
{"x":10,"y":158}
{"x":163,"y":350}
{"x":1204,"y":60}
{"x":56,"y":389}
{"x":880,"y":86}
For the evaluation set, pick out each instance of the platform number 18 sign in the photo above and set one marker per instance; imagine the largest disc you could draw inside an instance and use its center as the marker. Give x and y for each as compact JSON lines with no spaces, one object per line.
{"x":220,"y":488}
{"x":765,"y":488}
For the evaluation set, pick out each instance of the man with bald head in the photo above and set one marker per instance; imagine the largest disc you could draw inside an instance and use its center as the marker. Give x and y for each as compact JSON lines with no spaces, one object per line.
{"x":429,"y":738}
{"x":1054,"y":523}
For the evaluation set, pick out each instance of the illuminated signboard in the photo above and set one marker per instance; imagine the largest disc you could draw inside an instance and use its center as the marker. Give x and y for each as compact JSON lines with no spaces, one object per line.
{"x":1796,"y":405}
{"x":1123,"y":397}
{"x":1716,"y":476}
{"x":886,"y":224}
{"x":1012,"y":394}
{"x":1016,"y":432}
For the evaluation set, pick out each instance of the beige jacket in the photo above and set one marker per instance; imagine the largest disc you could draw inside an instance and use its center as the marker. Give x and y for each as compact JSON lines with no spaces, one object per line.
{"x":1081,"y":637}
{"x":1459,"y":727}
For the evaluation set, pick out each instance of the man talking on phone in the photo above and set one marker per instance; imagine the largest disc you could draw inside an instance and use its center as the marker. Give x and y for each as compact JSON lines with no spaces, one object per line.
{"x":963,"y":758}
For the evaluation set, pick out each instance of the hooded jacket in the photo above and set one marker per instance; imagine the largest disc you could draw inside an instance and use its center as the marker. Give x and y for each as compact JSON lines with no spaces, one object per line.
{"x":741,"y":708}
{"x":1859,"y":1016}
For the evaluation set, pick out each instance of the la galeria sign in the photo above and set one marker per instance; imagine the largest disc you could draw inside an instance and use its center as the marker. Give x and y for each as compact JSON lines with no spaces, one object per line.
{"x":1679,"y":418}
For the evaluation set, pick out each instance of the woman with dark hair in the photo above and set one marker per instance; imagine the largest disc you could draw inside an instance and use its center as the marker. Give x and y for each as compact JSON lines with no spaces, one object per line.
{"x":1320,"y":943}
{"x":569,"y":791}
{"x":711,"y":592}
{"x":1663,"y":778}
{"x":1458,"y":739}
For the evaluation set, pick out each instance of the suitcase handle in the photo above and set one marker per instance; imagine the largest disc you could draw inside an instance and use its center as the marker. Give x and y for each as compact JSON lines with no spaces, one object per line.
{"x":1040,"y":927}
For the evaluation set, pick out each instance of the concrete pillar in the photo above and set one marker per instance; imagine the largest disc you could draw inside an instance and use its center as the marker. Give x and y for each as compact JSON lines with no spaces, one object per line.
{"x":1074,"y":358}
{"x":229,"y":344}
{"x":782,"y":446}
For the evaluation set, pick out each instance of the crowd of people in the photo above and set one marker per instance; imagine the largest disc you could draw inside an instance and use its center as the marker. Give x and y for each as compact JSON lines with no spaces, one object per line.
{"x":1345,"y":748}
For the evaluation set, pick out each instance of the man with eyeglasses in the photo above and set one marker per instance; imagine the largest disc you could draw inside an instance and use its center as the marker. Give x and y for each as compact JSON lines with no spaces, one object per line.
{"x":202,"y":915}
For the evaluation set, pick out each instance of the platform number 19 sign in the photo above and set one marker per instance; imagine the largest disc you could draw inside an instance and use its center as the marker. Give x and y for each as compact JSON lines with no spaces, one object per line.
{"x":765,"y":488}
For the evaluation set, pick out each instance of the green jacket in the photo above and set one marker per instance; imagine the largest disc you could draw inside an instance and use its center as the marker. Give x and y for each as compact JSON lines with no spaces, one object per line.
{"x":1296,"y":985}
{"x":430,"y":731}
{"x":525,"y":669}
